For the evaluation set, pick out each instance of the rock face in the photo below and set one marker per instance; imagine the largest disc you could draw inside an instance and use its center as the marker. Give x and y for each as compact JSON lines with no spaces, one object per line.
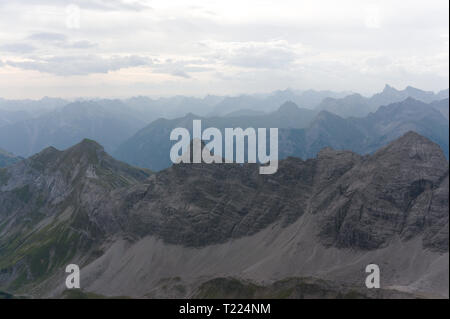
{"x":361,"y":202}
{"x":402,"y":190}
{"x":46,"y":206}
{"x":124,"y":225}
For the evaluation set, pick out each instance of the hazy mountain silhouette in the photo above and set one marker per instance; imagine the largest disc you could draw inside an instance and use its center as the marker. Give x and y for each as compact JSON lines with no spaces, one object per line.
{"x":108,"y":122}
{"x":358,"y":106}
{"x":269,"y":103}
{"x":150,"y":147}
{"x":303,"y":133}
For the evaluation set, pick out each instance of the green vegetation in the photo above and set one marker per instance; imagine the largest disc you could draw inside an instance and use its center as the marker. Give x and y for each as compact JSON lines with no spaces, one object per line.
{"x":42,"y":252}
{"x":39,"y":243}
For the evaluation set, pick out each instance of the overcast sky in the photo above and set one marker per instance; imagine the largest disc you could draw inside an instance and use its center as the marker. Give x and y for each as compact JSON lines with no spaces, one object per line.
{"x":118,"y":48}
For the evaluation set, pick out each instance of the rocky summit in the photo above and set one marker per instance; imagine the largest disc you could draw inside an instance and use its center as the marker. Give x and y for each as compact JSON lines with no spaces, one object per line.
{"x":173,"y":233}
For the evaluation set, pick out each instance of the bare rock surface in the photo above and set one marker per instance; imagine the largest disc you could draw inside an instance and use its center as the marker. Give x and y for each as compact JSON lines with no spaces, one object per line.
{"x":130,"y":229}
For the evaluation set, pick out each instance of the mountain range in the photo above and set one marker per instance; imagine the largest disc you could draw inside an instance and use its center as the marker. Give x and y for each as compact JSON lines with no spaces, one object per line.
{"x":361,"y":180}
{"x":27,"y":126}
{"x":365,"y":135}
{"x":206,"y":230}
{"x":270,"y":102}
{"x":356,"y":105}
{"x":107,"y":121}
{"x":150,"y":147}
{"x":302,"y":132}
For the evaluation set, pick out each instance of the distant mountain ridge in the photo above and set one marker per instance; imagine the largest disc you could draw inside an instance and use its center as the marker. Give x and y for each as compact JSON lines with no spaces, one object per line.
{"x":109,"y":122}
{"x":358,"y":106}
{"x":268,"y":103}
{"x":302,"y":133}
{"x":150,"y":147}
{"x":27,"y":126}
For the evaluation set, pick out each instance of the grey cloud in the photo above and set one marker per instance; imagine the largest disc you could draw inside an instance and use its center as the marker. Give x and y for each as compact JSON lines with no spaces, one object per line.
{"x":198,"y":69}
{"x":19,"y":48}
{"x":60,"y":40}
{"x":83,"y":44}
{"x":105,"y":5}
{"x":180,"y":68}
{"x":81,"y":65}
{"x":48,"y":37}
{"x":257,"y":55}
{"x":180,"y":73}
{"x":268,"y":59}
{"x":92,"y":64}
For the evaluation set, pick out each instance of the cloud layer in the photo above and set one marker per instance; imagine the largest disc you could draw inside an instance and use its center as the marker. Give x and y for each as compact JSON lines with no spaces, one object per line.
{"x":198,"y":47}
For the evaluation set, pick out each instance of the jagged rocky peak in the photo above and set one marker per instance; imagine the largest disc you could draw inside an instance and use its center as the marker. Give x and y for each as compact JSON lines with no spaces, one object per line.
{"x":413,"y":91}
{"x":81,"y":155}
{"x":410,"y":99}
{"x":325,"y":116}
{"x":388,"y":88}
{"x":46,"y":153}
{"x":85,"y":160}
{"x":355,"y":97}
{"x":416,"y":149}
{"x":331,"y":153}
{"x":288,"y":106}
{"x":89,"y":154}
{"x":87,"y":151}
{"x":340,"y":187}
{"x":371,"y":205}
{"x":86,"y":146}
{"x":398,"y":191}
{"x":88,"y":143}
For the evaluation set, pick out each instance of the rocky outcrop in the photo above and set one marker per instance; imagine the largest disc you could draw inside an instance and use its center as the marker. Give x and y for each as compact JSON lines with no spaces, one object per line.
{"x":47,"y":203}
{"x":399,"y":191}
{"x":360,"y":202}
{"x":82,"y":205}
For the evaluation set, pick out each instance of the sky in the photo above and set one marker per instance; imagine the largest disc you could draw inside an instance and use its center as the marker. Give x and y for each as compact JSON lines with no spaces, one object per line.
{"x":122,"y":48}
